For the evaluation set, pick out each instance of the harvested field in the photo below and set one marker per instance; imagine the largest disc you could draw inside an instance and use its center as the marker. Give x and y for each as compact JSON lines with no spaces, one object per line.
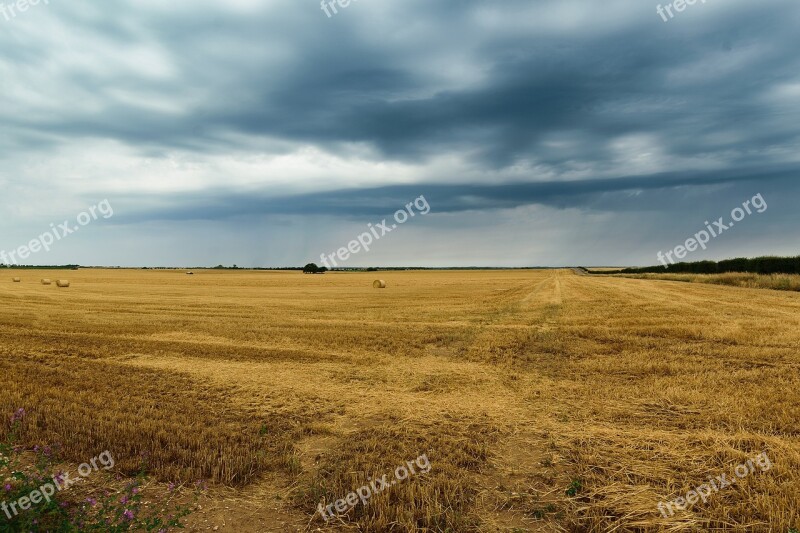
{"x":544,"y":400}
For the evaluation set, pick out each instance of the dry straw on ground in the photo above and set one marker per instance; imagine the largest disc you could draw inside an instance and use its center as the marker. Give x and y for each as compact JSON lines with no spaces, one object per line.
{"x":545,"y":401}
{"x":782,"y":282}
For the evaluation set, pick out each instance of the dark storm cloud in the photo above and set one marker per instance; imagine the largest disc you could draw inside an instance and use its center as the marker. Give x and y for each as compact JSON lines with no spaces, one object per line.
{"x":567,"y":104}
{"x":638,"y":193}
{"x":331,"y":82}
{"x":596,"y":88}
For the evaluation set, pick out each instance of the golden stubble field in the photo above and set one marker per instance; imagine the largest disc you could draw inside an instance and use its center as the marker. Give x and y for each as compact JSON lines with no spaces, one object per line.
{"x":544,"y":400}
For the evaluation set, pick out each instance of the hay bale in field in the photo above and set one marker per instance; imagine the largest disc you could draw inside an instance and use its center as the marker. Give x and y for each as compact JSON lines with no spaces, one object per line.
{"x":46,"y":281}
{"x":190,"y":273}
{"x":378,"y":284}
{"x":17,"y":280}
{"x":62,"y":283}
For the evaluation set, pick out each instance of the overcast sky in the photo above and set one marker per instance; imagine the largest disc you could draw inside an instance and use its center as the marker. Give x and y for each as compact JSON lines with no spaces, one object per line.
{"x":265,"y":133}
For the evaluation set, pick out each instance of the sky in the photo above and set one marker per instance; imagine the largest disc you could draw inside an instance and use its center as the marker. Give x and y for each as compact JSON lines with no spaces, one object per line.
{"x":268,"y":133}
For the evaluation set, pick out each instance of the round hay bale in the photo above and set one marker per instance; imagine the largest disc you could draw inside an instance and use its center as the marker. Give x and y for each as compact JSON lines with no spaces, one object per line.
{"x":62,"y":283}
{"x":46,"y":281}
{"x":378,"y":284}
{"x":17,"y":280}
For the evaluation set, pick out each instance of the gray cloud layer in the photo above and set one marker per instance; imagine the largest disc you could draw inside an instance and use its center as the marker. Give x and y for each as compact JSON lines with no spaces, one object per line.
{"x":251,"y":116}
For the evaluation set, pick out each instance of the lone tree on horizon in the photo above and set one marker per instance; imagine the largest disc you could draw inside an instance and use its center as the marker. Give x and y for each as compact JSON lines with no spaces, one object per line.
{"x":312,"y":268}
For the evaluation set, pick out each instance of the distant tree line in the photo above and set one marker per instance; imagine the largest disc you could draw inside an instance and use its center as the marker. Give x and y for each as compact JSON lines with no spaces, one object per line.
{"x":42,"y":267}
{"x":756,"y":265}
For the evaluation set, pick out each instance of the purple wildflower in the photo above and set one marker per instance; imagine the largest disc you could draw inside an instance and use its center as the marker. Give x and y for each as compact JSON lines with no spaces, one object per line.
{"x":128,"y":514}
